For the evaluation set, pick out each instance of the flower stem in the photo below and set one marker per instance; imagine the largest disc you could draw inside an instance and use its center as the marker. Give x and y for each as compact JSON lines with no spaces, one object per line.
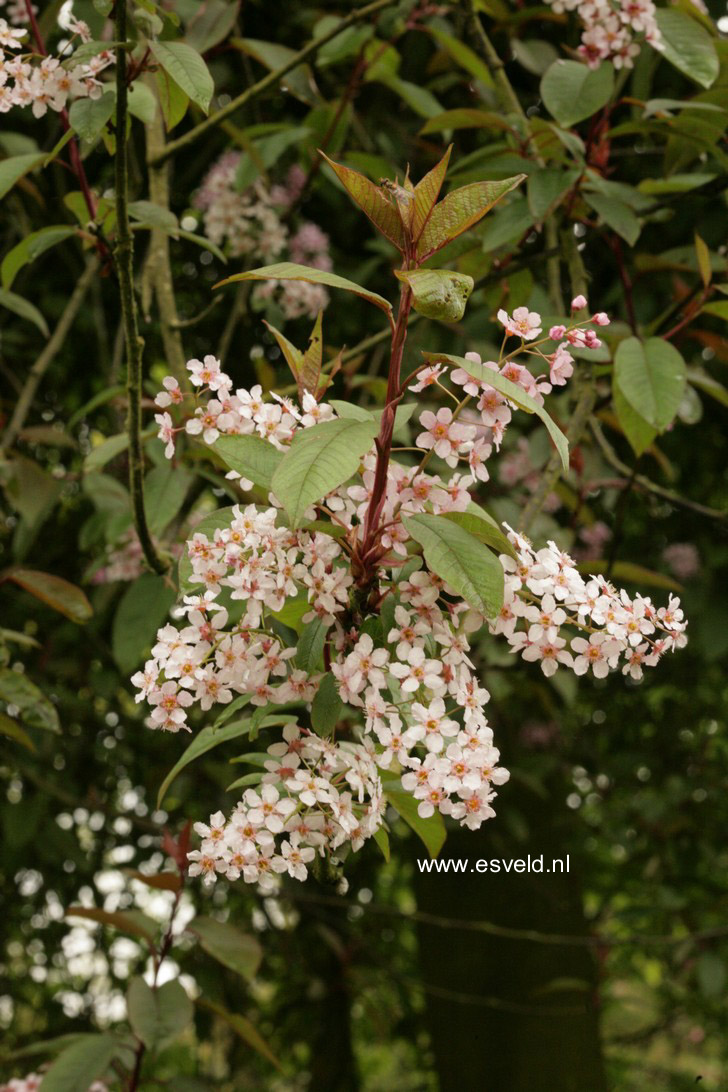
{"x":384,"y":439}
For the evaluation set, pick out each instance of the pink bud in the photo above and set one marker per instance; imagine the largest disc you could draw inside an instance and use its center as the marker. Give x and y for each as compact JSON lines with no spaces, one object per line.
{"x":601,"y":319}
{"x":578,"y":302}
{"x":557,"y":332}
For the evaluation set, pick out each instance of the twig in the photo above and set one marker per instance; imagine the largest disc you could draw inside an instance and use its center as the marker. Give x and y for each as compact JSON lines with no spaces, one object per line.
{"x":46,"y":358}
{"x":532,"y":936}
{"x":585,"y":402}
{"x":76,"y":161}
{"x":646,"y":484}
{"x":124,"y":254}
{"x":267,"y":81}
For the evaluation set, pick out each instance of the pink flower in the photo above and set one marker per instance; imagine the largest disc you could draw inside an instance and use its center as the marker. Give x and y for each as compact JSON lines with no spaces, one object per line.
{"x":166,"y":432}
{"x":557,"y":332}
{"x":600,"y":319}
{"x":561,"y":367}
{"x":170,"y":394}
{"x":523,"y":324}
{"x":578,"y":303}
{"x":443,"y":435}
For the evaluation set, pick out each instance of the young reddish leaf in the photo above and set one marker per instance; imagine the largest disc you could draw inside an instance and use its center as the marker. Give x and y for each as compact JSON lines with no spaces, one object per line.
{"x":292,"y":355}
{"x":161,"y":881}
{"x":460,"y":210}
{"x":427,"y":192}
{"x":306,"y":367}
{"x":310,"y":377}
{"x":58,"y":593}
{"x":131,"y":921}
{"x":372,"y":201}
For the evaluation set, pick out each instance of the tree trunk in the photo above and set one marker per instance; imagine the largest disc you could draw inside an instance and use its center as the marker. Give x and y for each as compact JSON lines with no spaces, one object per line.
{"x":535,"y":1028}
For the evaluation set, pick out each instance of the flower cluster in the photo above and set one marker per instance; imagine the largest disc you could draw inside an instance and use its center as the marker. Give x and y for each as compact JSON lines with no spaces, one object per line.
{"x":250,"y":222}
{"x":399,"y":664}
{"x":315,"y":797}
{"x":611,"y":28}
{"x":545,"y":592}
{"x":125,"y":560}
{"x":47,"y":83}
{"x":32,"y":1083}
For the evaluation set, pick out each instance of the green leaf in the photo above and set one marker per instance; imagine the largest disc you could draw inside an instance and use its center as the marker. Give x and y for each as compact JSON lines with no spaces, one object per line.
{"x":35,"y":709}
{"x":572,"y":91}
{"x":506,"y":225}
{"x":89,"y":116}
{"x":289,"y":271}
{"x":616,"y":215}
{"x":133,"y":922}
{"x":31,"y":247}
{"x":14,"y":168}
{"x":165,"y":489}
{"x":172,"y":99}
{"x":464,"y":118}
{"x":708,"y":385}
{"x":419,"y":99}
{"x":292,"y":612}
{"x":58,"y":593}
{"x":156,"y":216}
{"x":466,"y":57}
{"x":477,"y":522}
{"x":80,"y":1064}
{"x":652,"y":376}
{"x":513,"y":392}
{"x":297,"y":81}
{"x":142,"y":102}
{"x":319,"y":459}
{"x":430,"y":831}
{"x":244,"y":1030}
{"x":188,"y":70}
{"x":203,"y":742}
{"x":250,"y":456}
{"x":629,"y":572}
{"x":310,"y":648}
{"x":104,"y":452}
{"x":24,"y":308}
{"x":460,"y":210}
{"x":11,"y":729}
{"x":546,"y":190}
{"x":438,"y":293}
{"x":211,"y":24}
{"x":372,"y":200}
{"x":143,"y":608}
{"x":459,"y":558}
{"x":157,"y":1015}
{"x":382,"y":839}
{"x":638,"y":432}
{"x":326,"y":707}
{"x":238,"y":951}
{"x":687,"y":46}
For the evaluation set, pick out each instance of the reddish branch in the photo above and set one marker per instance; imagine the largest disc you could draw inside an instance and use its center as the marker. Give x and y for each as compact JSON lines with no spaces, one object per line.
{"x":76,"y":161}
